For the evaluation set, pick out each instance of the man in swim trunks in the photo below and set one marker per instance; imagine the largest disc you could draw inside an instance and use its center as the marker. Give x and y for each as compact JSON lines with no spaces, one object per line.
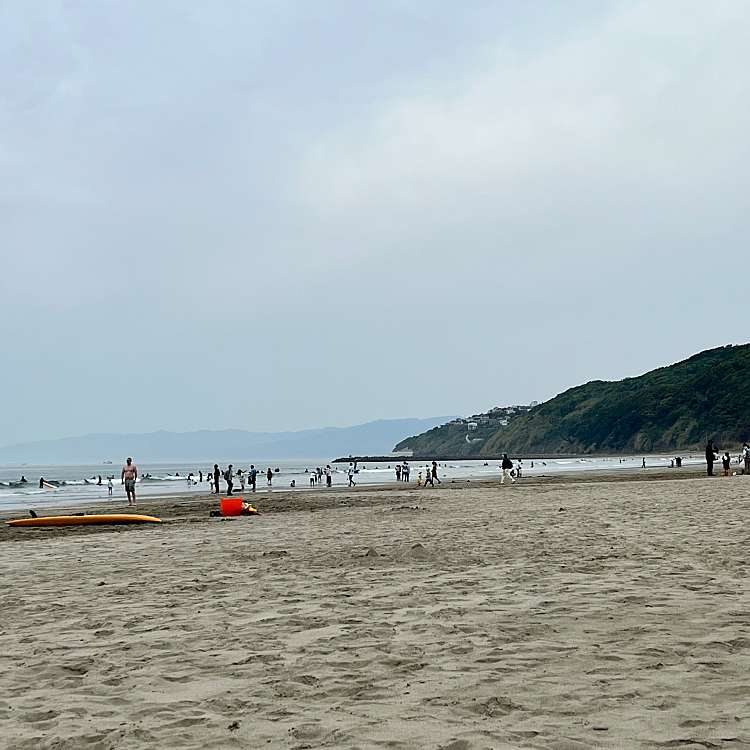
{"x":128,"y":477}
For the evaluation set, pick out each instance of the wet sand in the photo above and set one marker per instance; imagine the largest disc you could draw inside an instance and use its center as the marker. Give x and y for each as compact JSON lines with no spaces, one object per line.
{"x":550,"y":614}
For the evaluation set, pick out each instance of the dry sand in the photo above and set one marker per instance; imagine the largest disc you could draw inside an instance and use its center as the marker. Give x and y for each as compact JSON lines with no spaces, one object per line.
{"x":559,"y":614}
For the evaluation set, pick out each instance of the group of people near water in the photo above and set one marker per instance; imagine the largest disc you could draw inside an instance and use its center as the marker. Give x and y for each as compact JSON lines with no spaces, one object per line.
{"x":712,"y":455}
{"x":249,"y":478}
{"x":427,"y":475}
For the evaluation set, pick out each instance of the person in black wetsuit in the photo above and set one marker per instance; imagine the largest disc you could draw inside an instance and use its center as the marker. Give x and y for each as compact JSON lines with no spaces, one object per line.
{"x":711,"y":455}
{"x":217,"y":474}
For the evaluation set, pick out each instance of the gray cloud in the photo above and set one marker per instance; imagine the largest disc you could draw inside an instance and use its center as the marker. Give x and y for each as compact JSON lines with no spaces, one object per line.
{"x":260,"y":215}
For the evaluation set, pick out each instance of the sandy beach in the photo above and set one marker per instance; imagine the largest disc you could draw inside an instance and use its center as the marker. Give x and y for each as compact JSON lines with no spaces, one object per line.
{"x":557,"y":614}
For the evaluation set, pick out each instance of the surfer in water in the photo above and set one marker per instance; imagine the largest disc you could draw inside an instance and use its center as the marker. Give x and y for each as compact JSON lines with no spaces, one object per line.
{"x":128,"y":477}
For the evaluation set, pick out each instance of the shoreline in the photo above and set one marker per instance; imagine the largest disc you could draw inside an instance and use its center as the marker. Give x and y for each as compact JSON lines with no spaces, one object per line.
{"x":49,"y":499}
{"x":303,"y":498}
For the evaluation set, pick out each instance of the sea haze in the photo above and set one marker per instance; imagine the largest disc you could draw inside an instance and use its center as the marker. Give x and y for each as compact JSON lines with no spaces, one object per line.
{"x":371,"y":438}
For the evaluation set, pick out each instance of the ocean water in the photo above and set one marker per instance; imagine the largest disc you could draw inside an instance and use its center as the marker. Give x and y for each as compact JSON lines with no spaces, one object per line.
{"x":78,"y":484}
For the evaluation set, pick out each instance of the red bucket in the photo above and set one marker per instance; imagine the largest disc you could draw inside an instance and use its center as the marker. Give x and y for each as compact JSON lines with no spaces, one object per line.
{"x":230,"y":506}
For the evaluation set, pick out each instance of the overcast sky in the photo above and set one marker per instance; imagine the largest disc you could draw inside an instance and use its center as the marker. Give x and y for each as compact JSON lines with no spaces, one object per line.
{"x":277,"y":215}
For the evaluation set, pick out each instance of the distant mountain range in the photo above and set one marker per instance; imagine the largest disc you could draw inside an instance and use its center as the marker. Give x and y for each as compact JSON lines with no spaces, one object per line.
{"x":672,"y":408}
{"x":221,"y":445}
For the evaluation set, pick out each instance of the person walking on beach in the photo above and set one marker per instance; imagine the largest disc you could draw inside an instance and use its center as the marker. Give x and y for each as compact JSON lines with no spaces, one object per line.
{"x":428,"y":476}
{"x":506,"y":466}
{"x":217,"y":474}
{"x":711,"y":455}
{"x":746,"y":457}
{"x":435,"y":477}
{"x":127,"y":477}
{"x":229,"y":479}
{"x":351,"y":476}
{"x":269,"y":476}
{"x":253,"y":476}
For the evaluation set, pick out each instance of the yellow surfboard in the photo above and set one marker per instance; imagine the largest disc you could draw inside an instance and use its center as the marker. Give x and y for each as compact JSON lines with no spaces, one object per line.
{"x":108,"y":518}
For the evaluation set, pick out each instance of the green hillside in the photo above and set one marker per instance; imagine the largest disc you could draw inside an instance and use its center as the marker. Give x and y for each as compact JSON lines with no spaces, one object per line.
{"x":675,"y":407}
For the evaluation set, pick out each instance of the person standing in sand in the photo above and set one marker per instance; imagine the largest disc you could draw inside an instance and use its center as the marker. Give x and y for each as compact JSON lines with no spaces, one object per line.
{"x":217,"y":474}
{"x":711,"y":455}
{"x":746,"y":457}
{"x":109,"y":487}
{"x":506,"y":466}
{"x":435,"y":477}
{"x":726,"y":463}
{"x":128,"y":476}
{"x":428,"y":476}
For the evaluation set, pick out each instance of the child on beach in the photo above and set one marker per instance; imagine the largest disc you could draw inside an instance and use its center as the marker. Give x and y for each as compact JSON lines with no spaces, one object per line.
{"x":725,"y":463}
{"x":109,"y":486}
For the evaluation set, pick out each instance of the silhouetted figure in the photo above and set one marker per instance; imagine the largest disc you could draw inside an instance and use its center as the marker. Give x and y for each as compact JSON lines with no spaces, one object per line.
{"x":711,"y":455}
{"x":217,"y":474}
